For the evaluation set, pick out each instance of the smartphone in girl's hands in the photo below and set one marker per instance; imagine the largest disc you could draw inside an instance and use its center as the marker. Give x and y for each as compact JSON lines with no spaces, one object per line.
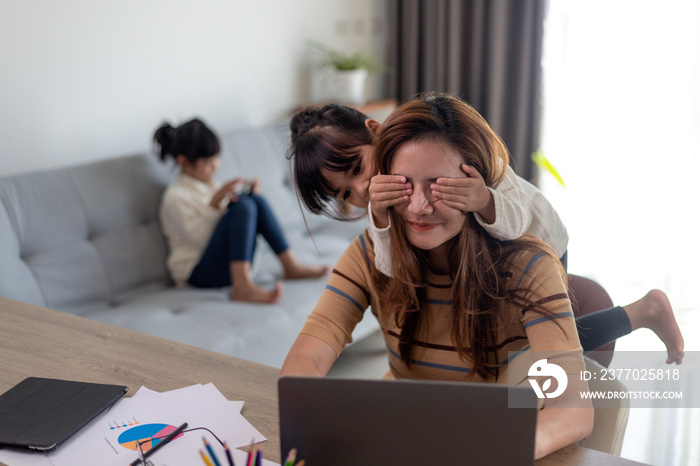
{"x":244,"y":187}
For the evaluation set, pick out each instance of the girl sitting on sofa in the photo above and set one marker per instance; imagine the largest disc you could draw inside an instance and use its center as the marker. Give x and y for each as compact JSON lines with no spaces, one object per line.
{"x":211,"y":228}
{"x":333,"y":164}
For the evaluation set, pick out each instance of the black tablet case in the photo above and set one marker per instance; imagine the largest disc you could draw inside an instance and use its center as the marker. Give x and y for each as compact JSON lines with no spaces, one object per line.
{"x":41,"y":413}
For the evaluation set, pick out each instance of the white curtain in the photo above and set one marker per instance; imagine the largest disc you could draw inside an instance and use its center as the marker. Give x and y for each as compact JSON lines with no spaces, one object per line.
{"x":622,"y":126}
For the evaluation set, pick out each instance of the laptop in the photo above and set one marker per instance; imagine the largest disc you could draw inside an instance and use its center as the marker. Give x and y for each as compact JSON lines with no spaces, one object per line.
{"x":337,"y":421}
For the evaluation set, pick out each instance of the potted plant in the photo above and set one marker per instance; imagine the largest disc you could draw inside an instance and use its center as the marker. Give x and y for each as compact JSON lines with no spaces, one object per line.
{"x":349,"y":72}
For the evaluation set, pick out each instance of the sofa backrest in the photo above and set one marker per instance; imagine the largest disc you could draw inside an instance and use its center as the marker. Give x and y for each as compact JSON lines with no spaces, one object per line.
{"x":83,"y":237}
{"x":261,"y":152}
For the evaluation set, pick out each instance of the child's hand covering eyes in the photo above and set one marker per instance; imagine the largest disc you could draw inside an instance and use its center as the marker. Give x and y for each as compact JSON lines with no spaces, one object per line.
{"x":386,"y":191}
{"x":467,"y":194}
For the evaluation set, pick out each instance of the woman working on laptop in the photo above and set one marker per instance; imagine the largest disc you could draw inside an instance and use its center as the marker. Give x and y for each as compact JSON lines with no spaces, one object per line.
{"x":459,"y":300}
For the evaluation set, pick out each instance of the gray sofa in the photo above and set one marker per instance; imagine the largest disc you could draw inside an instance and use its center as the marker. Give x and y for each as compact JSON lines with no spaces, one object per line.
{"x":86,"y":240}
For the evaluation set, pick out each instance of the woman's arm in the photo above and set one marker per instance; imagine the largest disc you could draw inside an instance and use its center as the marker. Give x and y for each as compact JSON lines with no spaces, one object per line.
{"x":565,"y":419}
{"x":309,"y":356}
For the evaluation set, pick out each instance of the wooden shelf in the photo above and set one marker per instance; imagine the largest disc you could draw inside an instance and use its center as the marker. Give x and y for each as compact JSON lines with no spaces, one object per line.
{"x":378,"y":109}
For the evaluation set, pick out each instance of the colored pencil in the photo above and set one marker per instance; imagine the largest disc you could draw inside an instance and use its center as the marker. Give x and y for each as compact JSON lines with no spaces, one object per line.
{"x":300,"y":463}
{"x":291,"y":457}
{"x":161,"y":444}
{"x":228,"y":455}
{"x":211,"y":452}
{"x":204,"y":458}
{"x":258,"y":456}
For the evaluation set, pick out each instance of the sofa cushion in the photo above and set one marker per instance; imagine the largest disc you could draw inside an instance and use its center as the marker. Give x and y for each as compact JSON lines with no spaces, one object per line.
{"x":84,"y":235}
{"x":16,"y":277}
{"x":262,"y":333}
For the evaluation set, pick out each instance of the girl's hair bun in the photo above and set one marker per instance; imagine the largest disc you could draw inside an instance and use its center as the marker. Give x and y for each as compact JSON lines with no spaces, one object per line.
{"x":164,"y":137}
{"x":305,"y":120}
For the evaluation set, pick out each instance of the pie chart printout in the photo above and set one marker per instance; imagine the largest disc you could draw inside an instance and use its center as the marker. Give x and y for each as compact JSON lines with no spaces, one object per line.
{"x":149,"y":435}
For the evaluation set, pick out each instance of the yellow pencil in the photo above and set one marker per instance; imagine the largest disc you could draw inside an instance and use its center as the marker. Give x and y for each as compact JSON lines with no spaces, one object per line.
{"x":205,"y":459}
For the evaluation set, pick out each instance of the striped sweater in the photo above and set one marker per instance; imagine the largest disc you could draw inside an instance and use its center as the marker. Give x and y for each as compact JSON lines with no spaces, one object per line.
{"x":523,"y":335}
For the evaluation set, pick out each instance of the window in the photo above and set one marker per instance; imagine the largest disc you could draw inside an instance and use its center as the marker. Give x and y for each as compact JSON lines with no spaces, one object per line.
{"x":622,"y":125}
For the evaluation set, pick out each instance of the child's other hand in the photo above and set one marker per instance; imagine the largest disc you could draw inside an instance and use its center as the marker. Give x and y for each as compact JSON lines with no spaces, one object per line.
{"x":466,"y":194}
{"x":386,"y":191}
{"x":227,"y":191}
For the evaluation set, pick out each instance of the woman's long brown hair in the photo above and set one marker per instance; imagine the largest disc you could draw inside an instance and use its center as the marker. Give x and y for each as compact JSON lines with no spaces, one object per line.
{"x":478,"y":262}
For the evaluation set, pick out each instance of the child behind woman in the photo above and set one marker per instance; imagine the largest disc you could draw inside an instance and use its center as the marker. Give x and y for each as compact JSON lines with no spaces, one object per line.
{"x":211,"y":228}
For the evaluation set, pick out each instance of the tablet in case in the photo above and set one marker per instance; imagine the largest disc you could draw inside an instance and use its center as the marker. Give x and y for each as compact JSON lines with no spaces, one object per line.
{"x":41,"y":413}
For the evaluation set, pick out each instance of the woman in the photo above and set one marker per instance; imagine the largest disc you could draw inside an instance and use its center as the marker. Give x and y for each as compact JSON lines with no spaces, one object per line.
{"x":460,"y":301}
{"x":334,"y":167}
{"x":212,"y":227}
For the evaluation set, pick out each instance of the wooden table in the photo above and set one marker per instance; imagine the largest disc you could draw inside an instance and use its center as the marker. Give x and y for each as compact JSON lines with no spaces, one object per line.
{"x":40,"y":342}
{"x":36,"y":341}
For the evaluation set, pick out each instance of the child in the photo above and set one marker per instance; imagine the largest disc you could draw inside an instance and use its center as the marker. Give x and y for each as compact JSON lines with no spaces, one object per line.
{"x":332,"y":151}
{"x":211,"y":227}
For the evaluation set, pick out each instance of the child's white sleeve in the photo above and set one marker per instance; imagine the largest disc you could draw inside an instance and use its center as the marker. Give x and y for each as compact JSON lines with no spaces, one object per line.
{"x":511,"y":217}
{"x":382,"y":241}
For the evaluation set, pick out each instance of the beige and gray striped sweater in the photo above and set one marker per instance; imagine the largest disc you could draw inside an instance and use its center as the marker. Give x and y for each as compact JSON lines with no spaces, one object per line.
{"x":523,"y":335}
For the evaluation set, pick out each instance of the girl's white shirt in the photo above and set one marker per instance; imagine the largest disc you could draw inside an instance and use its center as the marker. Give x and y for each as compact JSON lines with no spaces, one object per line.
{"x":188,"y":221}
{"x":521,"y":209}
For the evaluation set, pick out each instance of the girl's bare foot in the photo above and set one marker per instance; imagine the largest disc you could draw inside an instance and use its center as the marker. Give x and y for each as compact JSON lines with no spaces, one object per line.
{"x":253,"y":293}
{"x":654,"y":312}
{"x":295,"y":269}
{"x":305,"y":271}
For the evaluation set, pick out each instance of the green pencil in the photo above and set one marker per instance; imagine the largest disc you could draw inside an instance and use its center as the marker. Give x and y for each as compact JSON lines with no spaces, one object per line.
{"x":291,"y":457}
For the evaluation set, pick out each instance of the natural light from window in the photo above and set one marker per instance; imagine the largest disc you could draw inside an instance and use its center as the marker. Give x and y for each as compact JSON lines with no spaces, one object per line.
{"x":622,"y":126}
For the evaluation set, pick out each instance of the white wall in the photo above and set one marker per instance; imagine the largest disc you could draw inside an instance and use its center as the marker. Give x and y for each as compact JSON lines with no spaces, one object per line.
{"x":82,"y":80}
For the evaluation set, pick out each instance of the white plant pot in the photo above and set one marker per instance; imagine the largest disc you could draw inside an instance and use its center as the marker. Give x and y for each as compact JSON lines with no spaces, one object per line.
{"x":348,"y":87}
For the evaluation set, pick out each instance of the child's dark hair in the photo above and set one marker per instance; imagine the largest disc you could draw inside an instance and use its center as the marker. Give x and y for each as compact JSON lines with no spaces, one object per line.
{"x":192,"y":139}
{"x":327,"y":138}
